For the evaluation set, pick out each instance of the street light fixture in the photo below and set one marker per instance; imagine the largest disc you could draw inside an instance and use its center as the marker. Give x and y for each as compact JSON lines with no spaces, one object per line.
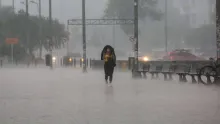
{"x":22,"y":2}
{"x":33,"y":2}
{"x":51,"y":35}
{"x":27,"y":24}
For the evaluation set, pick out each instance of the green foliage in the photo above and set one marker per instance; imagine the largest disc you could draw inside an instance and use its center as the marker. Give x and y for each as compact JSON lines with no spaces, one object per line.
{"x":5,"y":13}
{"x":18,"y":51}
{"x":124,"y":9}
{"x":15,"y":25}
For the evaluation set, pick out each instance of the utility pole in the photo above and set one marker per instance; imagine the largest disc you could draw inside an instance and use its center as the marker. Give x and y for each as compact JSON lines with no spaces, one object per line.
{"x":113,"y":33}
{"x":12,"y":45}
{"x":67,"y":47}
{"x":51,"y":36}
{"x":84,"y":34}
{"x":40,"y":25}
{"x":136,"y":63}
{"x":40,"y":28}
{"x":218,"y":27}
{"x":27,"y":27}
{"x":165,"y":28}
{"x":13,"y":5}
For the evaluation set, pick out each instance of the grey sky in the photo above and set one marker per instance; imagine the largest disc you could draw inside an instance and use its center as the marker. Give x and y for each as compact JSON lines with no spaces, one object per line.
{"x":65,"y":9}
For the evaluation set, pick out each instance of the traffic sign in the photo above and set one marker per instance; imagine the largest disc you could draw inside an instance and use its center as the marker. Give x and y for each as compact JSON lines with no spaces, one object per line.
{"x":11,"y":40}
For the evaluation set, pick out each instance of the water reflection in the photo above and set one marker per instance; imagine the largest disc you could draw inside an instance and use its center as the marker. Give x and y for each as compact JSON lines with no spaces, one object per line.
{"x":109,"y":93}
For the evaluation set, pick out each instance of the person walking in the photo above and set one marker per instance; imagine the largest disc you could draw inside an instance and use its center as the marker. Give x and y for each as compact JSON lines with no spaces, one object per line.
{"x":109,"y":57}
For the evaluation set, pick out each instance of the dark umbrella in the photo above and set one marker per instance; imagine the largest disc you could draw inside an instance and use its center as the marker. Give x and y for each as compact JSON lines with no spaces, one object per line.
{"x":105,"y":50}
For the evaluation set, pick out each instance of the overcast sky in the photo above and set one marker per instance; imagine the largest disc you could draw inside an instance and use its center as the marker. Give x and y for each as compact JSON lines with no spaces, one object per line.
{"x":64,"y":9}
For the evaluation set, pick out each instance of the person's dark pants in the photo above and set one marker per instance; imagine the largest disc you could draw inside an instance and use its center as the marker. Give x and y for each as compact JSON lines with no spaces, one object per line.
{"x":108,"y":72}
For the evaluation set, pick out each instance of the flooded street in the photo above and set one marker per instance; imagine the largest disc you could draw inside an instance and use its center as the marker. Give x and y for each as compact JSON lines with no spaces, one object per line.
{"x":42,"y":96}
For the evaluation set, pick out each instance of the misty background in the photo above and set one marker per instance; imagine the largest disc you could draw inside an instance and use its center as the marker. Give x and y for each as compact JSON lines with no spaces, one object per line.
{"x":188,"y":21}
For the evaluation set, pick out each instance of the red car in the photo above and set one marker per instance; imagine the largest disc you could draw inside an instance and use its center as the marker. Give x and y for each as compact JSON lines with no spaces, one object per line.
{"x":181,"y":55}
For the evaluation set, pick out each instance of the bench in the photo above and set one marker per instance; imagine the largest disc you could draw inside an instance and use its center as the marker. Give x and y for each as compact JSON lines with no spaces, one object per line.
{"x":145,"y":69}
{"x":155,"y":69}
{"x":182,"y":70}
{"x":167,"y":71}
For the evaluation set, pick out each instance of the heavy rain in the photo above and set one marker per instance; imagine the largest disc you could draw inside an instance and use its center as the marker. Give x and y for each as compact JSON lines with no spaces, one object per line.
{"x":109,"y":62}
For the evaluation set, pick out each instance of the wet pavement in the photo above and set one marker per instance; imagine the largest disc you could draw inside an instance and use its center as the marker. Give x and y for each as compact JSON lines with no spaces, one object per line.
{"x":66,"y":96}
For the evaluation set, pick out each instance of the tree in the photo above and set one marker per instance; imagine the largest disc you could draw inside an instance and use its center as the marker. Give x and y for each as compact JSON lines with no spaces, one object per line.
{"x":59,"y":34}
{"x":124,"y":9}
{"x":18,"y":51}
{"x":14,"y":25}
{"x":6,"y":12}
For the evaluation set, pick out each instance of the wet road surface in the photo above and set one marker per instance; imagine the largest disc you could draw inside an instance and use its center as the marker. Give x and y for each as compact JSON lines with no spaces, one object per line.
{"x":66,"y":96}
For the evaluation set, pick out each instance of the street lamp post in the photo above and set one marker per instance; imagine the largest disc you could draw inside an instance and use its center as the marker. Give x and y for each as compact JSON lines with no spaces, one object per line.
{"x":50,"y":37}
{"x":113,"y":33}
{"x":84,"y":35}
{"x":67,"y":43}
{"x":136,"y":63}
{"x":40,"y":30}
{"x":114,"y":38}
{"x":26,"y":3}
{"x":40,"y":25}
{"x":218,"y":27}
{"x":27,"y":26}
{"x":165,"y":29}
{"x":13,"y":5}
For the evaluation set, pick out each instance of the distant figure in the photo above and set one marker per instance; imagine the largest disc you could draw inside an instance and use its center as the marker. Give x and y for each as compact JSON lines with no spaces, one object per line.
{"x":109,"y":57}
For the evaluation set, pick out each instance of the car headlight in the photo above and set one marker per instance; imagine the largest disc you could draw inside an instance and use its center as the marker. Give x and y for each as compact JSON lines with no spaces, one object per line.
{"x":54,"y":59}
{"x":145,"y":59}
{"x":70,"y":59}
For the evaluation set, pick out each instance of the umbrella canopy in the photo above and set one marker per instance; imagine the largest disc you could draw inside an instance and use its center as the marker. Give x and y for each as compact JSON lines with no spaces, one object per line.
{"x":105,"y":50}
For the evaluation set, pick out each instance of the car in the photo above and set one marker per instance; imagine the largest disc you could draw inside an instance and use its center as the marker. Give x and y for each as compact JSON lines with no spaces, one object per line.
{"x":181,"y":54}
